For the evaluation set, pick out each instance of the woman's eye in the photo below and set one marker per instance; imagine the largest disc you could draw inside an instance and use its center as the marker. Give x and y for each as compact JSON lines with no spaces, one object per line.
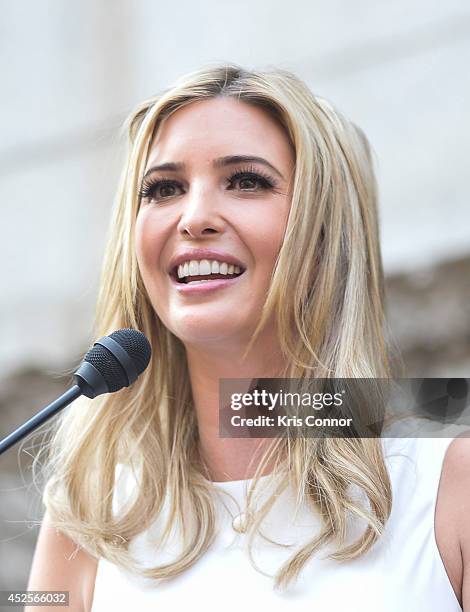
{"x":248,"y":181}
{"x":158,"y":190}
{"x":244,"y":181}
{"x":165,"y":189}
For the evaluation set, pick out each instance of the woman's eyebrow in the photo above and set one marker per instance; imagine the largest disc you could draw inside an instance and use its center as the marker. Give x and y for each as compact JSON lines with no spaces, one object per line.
{"x":219,"y":162}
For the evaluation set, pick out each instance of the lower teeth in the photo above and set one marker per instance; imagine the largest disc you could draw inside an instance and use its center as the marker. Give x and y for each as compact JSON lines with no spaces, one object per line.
{"x":206,"y":280}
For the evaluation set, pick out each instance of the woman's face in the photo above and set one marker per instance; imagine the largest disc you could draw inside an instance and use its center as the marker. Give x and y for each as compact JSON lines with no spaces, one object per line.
{"x":205,"y":200}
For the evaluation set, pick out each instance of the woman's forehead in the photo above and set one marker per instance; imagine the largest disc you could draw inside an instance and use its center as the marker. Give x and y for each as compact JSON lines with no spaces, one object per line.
{"x":217,"y":127}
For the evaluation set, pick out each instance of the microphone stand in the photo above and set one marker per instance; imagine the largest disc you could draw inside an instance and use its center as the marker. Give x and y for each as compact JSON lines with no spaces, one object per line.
{"x":38,"y":419}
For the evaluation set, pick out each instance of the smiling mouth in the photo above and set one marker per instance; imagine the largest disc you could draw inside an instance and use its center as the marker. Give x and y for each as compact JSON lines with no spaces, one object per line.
{"x":189,"y":279}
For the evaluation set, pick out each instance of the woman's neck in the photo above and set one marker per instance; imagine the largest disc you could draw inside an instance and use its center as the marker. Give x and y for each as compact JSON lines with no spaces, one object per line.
{"x":228,"y":458}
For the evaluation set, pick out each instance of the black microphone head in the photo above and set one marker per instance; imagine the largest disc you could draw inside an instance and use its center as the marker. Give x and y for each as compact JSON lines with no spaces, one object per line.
{"x":113,"y":362}
{"x":136,"y":345}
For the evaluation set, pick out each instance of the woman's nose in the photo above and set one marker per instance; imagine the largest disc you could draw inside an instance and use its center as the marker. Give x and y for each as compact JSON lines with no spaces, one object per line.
{"x":201,"y":213}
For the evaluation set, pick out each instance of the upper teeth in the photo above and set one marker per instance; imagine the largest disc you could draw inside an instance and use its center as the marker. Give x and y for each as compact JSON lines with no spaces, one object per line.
{"x":204,"y":266}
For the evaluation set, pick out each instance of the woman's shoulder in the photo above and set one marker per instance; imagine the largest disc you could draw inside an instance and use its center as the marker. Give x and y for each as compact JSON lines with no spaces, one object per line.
{"x":452,"y":527}
{"x":454,"y":488}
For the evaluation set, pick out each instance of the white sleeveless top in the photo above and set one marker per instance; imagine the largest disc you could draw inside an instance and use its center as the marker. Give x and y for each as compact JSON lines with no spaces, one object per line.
{"x":402,"y":572}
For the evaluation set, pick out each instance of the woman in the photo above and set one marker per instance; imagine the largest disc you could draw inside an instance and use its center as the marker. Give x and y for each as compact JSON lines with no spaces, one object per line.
{"x":247,"y":175}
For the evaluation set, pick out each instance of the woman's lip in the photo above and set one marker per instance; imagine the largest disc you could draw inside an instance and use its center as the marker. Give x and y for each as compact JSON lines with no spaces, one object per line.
{"x":196,"y":287}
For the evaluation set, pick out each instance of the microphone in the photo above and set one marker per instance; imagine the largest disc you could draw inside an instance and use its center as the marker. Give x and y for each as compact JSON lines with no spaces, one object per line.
{"x":113,"y":362}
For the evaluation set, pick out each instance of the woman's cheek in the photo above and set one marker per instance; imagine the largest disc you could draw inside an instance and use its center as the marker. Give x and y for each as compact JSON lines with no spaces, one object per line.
{"x":143,"y":240}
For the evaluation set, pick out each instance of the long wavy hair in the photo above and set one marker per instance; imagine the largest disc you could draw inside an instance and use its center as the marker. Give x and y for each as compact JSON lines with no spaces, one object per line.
{"x":327,"y":297}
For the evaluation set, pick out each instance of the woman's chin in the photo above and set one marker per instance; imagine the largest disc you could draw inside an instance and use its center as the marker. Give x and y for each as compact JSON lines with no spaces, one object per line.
{"x":206,"y":334}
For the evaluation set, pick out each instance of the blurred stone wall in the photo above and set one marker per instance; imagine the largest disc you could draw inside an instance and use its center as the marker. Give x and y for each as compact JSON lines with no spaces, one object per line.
{"x":429,"y":312}
{"x":21,"y":397}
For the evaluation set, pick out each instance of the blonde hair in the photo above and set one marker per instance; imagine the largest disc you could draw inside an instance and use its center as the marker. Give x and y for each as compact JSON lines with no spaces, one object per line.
{"x":327,"y":296}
